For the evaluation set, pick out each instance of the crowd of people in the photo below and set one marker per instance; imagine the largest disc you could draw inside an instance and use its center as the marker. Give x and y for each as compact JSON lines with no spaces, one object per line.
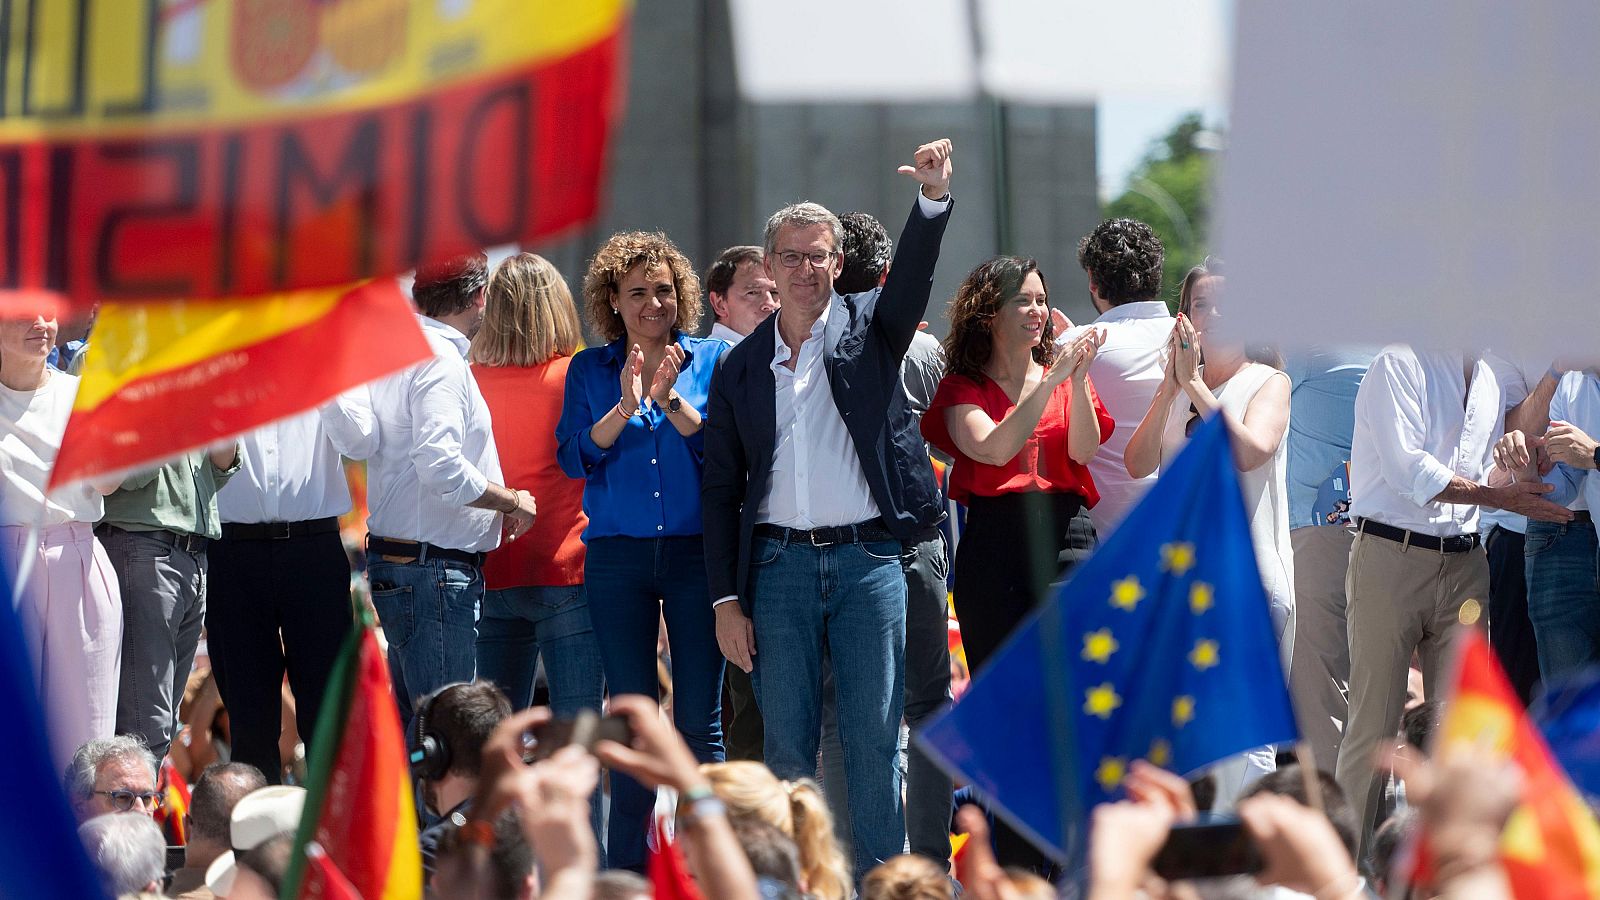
{"x":610,"y":528}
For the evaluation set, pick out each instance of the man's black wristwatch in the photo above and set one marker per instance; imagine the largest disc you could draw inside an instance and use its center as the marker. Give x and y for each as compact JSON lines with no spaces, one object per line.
{"x":1597,"y":456}
{"x":674,"y":403}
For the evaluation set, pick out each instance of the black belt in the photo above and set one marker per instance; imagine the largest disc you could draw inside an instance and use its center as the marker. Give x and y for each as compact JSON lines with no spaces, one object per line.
{"x":1581,"y":515}
{"x":1455,"y":543}
{"x":867,"y":532}
{"x":188,"y":543}
{"x":420,"y":551}
{"x":279,"y":531}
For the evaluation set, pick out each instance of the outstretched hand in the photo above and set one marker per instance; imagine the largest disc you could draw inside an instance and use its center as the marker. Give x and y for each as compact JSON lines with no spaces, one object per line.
{"x":932,"y":169}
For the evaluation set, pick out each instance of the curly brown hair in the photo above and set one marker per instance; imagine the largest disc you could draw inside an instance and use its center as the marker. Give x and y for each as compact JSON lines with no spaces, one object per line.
{"x":1123,"y":258}
{"x":615,"y":258}
{"x":988,"y":287}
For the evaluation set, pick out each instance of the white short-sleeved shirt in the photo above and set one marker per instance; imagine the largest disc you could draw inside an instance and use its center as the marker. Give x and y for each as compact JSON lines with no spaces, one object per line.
{"x":31,"y":426}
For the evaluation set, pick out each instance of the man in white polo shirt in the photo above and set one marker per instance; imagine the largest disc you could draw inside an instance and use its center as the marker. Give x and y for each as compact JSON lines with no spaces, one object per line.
{"x":1426,"y":424}
{"x":1123,"y":258}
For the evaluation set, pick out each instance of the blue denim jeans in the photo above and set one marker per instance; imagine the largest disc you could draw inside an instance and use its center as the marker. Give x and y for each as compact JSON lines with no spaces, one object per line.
{"x":632,"y":584}
{"x":927,"y":688}
{"x":518,"y":627}
{"x":429,"y":611}
{"x":1563,"y":595}
{"x":850,"y":598}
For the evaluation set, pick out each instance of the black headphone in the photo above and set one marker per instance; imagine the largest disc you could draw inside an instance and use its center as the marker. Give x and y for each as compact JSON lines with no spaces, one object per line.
{"x":430,"y":752}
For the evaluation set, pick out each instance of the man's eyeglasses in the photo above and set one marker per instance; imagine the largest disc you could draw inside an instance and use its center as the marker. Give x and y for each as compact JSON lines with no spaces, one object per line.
{"x":790,"y":259}
{"x":123,"y":800}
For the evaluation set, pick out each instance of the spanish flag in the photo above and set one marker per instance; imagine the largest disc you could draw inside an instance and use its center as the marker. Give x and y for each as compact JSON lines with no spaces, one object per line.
{"x":170,"y":815}
{"x":160,"y":379}
{"x":359,"y":809}
{"x":1551,"y":845}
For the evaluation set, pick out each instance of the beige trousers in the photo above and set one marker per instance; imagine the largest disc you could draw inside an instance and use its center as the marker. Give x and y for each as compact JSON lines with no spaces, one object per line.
{"x":1400,"y":600}
{"x":1319,"y":672}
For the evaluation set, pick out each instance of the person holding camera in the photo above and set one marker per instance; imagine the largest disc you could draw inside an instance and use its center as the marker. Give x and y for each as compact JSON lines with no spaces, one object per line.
{"x":446,"y":741}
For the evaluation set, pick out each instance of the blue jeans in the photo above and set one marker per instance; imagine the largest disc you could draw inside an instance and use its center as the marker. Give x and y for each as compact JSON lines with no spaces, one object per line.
{"x":1563,"y":595}
{"x":633,"y":583}
{"x":851,"y":598}
{"x":429,"y":611}
{"x":927,"y":690}
{"x":520,"y":625}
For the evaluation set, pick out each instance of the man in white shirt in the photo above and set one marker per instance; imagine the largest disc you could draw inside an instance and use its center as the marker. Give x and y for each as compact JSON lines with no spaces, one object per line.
{"x":432,"y":484}
{"x":1123,"y":258}
{"x":741,"y":294}
{"x":816,"y":478}
{"x":280,"y":579}
{"x":1426,"y":424}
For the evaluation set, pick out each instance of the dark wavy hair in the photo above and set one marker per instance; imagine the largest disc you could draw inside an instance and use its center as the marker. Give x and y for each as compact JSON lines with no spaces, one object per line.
{"x":1123,"y":258}
{"x":449,"y":286}
{"x":867,"y":250}
{"x":988,"y":287}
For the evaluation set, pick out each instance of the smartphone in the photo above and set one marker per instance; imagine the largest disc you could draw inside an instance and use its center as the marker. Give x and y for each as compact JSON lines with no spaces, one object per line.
{"x":1210,"y":850}
{"x":585,"y":729}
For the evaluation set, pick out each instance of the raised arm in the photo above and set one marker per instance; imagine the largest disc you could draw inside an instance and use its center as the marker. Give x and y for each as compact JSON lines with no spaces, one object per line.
{"x":904,"y":300}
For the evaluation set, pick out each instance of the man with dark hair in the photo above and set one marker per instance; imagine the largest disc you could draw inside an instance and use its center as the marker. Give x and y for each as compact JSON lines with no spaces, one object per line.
{"x":436,"y":505}
{"x":867,"y":251}
{"x":1123,"y":258}
{"x":1290,"y":782}
{"x":815,"y":479}
{"x":461,"y":719}
{"x":741,"y":294}
{"x":207,"y":823}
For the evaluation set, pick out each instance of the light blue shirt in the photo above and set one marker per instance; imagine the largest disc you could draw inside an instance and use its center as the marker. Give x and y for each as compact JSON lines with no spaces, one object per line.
{"x":1577,"y":402}
{"x":1322,"y":416}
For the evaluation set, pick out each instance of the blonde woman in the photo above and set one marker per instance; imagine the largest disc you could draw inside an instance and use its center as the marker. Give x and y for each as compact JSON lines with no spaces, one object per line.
{"x":749,"y":789}
{"x":534,"y":602}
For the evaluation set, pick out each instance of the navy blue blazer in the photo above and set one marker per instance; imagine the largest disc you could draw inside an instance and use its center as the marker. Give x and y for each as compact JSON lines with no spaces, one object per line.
{"x":870,"y":333}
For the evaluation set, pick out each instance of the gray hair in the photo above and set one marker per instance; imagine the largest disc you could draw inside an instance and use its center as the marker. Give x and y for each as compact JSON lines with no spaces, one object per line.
{"x":88,"y":759}
{"x":802,"y":215}
{"x":128,"y":850}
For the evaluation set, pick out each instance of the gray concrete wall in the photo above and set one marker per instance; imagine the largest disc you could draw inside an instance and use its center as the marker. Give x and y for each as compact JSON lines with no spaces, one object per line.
{"x":695,"y":160}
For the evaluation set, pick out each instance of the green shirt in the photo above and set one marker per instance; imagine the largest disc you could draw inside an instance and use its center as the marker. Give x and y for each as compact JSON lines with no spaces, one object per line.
{"x":181,"y":496}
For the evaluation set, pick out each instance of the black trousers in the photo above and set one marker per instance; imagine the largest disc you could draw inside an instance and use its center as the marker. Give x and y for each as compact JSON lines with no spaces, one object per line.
{"x":275,"y":606}
{"x":1510,"y":630}
{"x":1013,"y":548}
{"x":742,"y":727}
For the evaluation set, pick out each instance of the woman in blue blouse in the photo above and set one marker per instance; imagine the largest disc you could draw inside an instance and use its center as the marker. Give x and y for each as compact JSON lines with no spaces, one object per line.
{"x":631,"y":427}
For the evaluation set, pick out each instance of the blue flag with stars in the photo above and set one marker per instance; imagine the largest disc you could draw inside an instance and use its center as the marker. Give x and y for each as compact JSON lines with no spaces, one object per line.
{"x":1159,"y":647}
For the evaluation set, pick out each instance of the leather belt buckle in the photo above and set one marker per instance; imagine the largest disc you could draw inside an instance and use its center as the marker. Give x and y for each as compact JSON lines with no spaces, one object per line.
{"x":280,"y":531}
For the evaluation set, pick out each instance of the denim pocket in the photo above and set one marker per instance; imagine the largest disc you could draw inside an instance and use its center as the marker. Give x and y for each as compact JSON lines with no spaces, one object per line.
{"x":393,"y":603}
{"x":764,"y":551}
{"x":1539,"y":541}
{"x":882,"y":550}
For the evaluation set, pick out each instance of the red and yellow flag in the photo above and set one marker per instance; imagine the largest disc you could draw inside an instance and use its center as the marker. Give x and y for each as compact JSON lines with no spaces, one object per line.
{"x":175,"y":804}
{"x":1551,"y":845}
{"x":360,"y":808}
{"x":163,"y":378}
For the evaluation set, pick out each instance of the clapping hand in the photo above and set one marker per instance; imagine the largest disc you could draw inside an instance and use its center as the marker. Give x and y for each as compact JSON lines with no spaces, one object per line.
{"x":666,"y":374}
{"x":1185,"y":352}
{"x":633,"y":380}
{"x":1569,"y":444}
{"x":932,"y":169}
{"x":1082,"y":353}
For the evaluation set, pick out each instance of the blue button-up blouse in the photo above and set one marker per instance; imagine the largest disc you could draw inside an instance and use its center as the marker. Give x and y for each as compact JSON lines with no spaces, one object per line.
{"x":647,"y":484}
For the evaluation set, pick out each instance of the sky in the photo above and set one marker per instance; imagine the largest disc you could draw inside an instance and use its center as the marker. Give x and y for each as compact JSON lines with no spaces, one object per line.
{"x":1124,"y":128}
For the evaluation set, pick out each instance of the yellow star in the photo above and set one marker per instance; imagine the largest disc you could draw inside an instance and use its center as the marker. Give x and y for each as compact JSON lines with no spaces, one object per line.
{"x":1201,"y":597}
{"x":1160,"y":753}
{"x":1099,"y":645}
{"x":1204,"y":655}
{"x":1126,"y":593}
{"x":1110,"y":773}
{"x":1182,"y":710}
{"x":1101,"y":701}
{"x":1177,"y":558}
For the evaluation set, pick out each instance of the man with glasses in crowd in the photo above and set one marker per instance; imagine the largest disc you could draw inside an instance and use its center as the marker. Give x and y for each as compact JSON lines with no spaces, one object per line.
{"x":114,"y":774}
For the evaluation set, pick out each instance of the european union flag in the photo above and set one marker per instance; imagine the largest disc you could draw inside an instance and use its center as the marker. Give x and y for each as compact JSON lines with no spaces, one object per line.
{"x":1159,"y":647}
{"x":1568,"y":713}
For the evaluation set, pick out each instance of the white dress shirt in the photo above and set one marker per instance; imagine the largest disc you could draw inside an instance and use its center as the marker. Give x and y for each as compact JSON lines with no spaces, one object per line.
{"x":1418,"y":426}
{"x":435,"y":451}
{"x":723,"y":333}
{"x":816,"y":475}
{"x":289,"y":471}
{"x":1126,"y":373}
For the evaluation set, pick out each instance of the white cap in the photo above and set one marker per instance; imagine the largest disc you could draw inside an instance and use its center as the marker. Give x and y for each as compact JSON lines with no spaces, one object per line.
{"x":257,"y":818}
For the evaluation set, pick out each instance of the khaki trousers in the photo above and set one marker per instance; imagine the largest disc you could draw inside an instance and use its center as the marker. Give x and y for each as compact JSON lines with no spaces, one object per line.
{"x":1319,"y":672}
{"x":1401,"y":600}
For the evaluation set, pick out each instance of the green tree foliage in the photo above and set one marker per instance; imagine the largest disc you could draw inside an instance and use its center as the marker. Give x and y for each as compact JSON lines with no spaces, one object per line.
{"x":1170,"y":190}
